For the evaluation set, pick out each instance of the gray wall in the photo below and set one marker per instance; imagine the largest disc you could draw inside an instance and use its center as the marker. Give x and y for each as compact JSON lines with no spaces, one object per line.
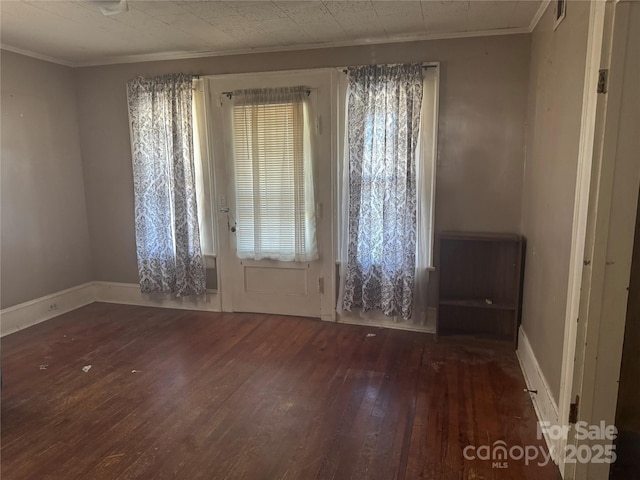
{"x":47,"y":240}
{"x":45,"y":237}
{"x":555,"y":105}
{"x":483,"y":105}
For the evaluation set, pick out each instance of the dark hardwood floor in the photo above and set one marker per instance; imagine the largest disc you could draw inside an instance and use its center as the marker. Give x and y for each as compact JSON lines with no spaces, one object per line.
{"x":191,"y":395}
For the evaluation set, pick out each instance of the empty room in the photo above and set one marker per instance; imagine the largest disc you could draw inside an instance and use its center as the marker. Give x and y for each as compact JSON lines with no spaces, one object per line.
{"x":319,"y":239}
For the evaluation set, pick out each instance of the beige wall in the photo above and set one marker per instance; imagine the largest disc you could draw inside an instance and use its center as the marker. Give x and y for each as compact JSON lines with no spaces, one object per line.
{"x":45,"y":237}
{"x":482,"y":114}
{"x":555,"y":104}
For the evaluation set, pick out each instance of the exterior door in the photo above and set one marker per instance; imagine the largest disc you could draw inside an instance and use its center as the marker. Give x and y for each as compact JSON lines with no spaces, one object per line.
{"x":271,"y":286}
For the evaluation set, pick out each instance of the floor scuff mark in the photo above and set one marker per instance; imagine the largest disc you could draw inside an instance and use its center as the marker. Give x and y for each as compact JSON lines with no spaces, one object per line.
{"x":115,"y":455}
{"x":437,"y":365}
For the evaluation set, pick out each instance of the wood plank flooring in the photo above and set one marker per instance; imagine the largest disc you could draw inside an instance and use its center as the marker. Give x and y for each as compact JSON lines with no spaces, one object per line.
{"x":192,"y":395}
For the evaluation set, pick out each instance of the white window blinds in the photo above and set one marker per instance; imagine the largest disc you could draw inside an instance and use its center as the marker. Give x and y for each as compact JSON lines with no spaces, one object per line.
{"x":275,"y":206}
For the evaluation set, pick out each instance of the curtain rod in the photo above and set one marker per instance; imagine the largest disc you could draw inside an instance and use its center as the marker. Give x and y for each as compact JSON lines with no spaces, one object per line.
{"x":424,"y":66}
{"x":230,"y":94}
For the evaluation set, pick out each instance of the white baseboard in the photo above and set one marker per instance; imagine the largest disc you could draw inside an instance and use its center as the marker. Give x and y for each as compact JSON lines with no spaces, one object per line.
{"x":130,"y":294}
{"x":18,"y":317}
{"x":26,"y":314}
{"x":23,"y":315}
{"x":355,"y":319}
{"x":544,"y":404}
{"x":328,"y":317}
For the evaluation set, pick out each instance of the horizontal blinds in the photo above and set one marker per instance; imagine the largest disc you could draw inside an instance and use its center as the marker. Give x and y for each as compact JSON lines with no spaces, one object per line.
{"x":269,"y":172}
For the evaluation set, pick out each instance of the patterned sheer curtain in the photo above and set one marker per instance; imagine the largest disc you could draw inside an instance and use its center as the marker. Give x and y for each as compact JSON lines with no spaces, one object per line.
{"x":166,"y":218}
{"x":383,"y":130}
{"x":273,"y":165}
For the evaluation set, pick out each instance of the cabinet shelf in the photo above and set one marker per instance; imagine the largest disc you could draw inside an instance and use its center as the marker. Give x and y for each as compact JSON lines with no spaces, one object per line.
{"x":475,"y":303}
{"x":474,"y":268}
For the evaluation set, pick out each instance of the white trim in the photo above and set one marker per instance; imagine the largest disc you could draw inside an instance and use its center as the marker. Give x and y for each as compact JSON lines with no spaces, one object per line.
{"x":435,"y":157}
{"x":23,"y":315}
{"x":580,"y":213}
{"x":154,"y":57}
{"x":328,"y":317}
{"x":558,"y":20}
{"x":430,"y":327}
{"x":130,"y":294}
{"x":612,"y":220}
{"x":38,"y":56}
{"x":18,"y":317}
{"x":536,"y":18}
{"x":543,"y":402}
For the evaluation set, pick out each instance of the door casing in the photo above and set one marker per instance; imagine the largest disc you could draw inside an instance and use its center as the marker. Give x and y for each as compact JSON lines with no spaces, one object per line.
{"x":319,"y":279}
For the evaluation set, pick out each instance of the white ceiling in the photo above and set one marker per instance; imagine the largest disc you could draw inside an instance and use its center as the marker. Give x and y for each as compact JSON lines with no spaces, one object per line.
{"x":76,"y":33}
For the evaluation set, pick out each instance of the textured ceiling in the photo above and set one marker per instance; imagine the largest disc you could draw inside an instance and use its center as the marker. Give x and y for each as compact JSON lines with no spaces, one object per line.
{"x":76,"y":33}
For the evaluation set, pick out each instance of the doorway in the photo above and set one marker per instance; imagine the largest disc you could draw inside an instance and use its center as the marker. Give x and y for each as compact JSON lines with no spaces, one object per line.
{"x":248,"y":283}
{"x":612,"y":223}
{"x":628,"y":409}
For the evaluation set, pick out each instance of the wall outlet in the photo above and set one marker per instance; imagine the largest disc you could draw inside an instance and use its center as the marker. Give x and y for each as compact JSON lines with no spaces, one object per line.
{"x":53,"y":306}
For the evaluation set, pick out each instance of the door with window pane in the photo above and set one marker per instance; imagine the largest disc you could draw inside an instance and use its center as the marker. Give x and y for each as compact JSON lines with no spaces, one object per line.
{"x":277,"y":177}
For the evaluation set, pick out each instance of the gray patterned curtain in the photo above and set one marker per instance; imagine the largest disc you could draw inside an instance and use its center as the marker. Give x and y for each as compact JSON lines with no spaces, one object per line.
{"x":383,"y":125}
{"x":167,"y":235}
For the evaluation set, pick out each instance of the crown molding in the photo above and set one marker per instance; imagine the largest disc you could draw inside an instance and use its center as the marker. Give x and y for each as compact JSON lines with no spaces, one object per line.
{"x":154,"y":57}
{"x":536,"y":18}
{"x":39,"y":56}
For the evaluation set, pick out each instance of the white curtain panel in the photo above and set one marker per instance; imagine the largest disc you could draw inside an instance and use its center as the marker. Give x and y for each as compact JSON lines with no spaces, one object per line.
{"x":273,"y":165}
{"x":203,"y":173}
{"x":426,"y":190}
{"x":166,"y":217}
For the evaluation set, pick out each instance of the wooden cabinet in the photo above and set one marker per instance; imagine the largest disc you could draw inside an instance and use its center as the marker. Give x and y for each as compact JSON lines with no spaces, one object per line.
{"x":480,"y":284}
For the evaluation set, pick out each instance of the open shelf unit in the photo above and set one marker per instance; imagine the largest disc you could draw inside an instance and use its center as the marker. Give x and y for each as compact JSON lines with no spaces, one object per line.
{"x":480,"y":284}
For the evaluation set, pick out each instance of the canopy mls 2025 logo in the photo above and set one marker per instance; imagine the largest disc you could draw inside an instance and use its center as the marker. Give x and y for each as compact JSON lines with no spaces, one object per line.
{"x":600,"y":448}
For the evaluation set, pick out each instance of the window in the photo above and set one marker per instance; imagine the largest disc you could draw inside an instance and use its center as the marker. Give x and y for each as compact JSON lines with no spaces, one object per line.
{"x":166,"y":218}
{"x":275,"y":207}
{"x":388,"y":126}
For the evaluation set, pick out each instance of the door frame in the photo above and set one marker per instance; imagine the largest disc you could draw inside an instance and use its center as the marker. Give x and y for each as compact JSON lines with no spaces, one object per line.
{"x":220,"y":174}
{"x":580,"y":216}
{"x":607,"y":186}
